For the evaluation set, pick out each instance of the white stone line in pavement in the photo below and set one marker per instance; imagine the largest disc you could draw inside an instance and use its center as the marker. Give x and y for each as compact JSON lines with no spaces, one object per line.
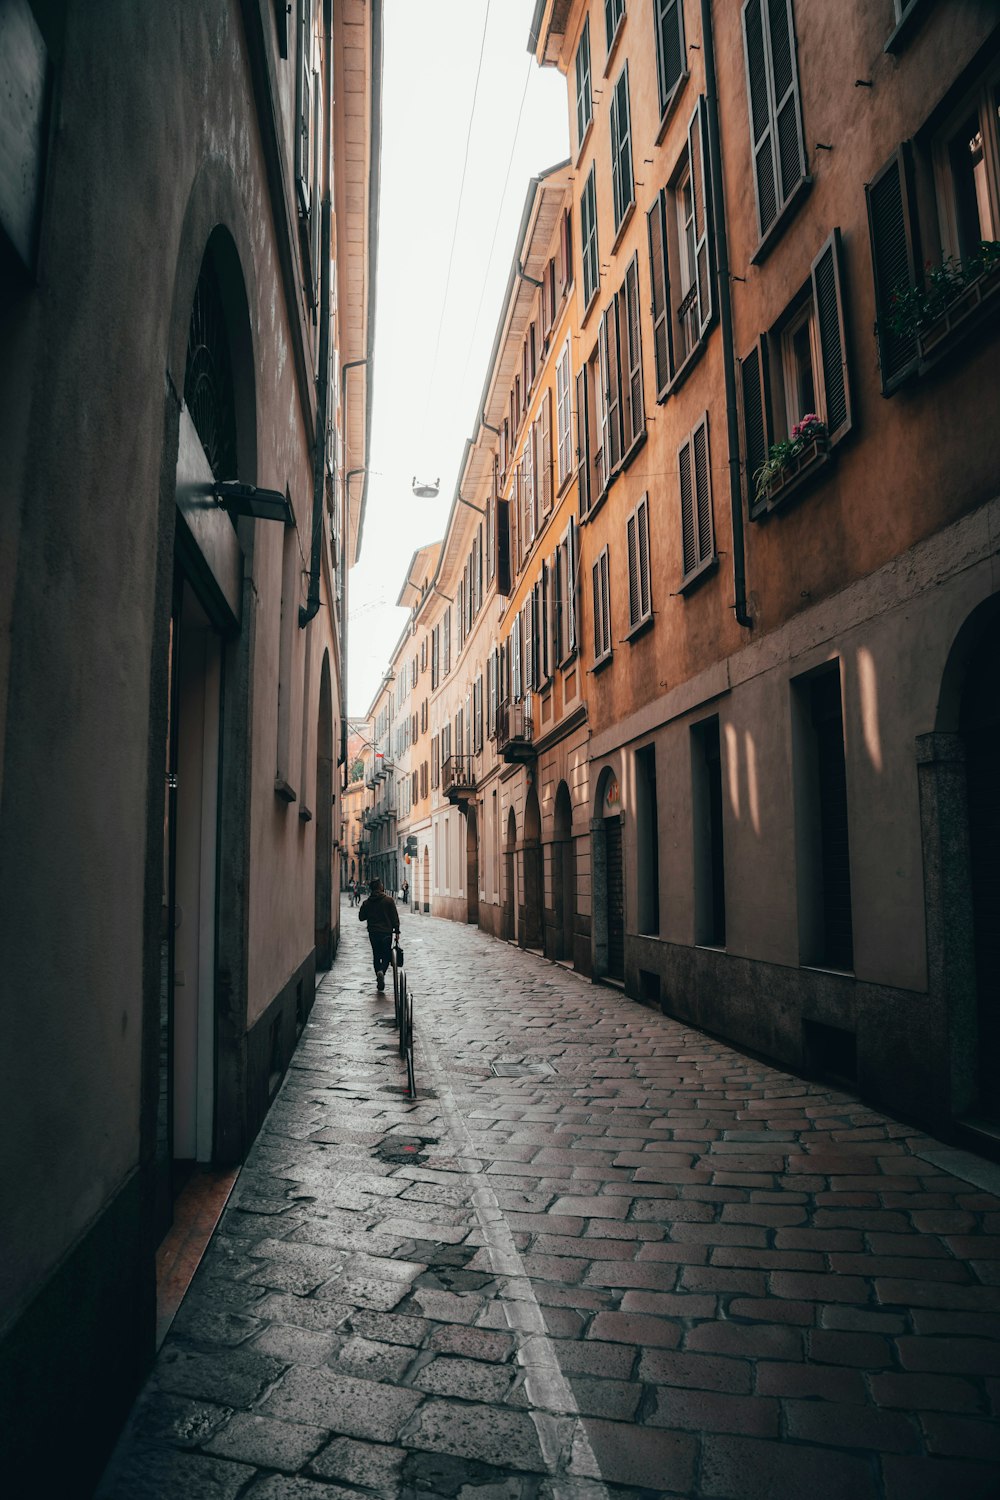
{"x":545,"y":1384}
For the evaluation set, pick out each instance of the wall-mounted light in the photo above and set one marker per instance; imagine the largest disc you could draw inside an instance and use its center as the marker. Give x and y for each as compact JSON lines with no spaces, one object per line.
{"x":247,"y":500}
{"x":425,"y":490}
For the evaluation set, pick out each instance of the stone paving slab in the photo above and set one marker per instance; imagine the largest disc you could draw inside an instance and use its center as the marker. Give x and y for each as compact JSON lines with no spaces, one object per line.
{"x":648,"y":1266}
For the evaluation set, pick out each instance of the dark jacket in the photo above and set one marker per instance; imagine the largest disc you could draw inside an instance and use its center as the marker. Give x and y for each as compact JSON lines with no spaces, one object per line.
{"x":380,"y":913}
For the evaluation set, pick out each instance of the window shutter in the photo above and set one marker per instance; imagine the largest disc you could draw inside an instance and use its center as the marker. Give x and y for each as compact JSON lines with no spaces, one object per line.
{"x":895,"y":256}
{"x":637,"y":415}
{"x":775,"y":112}
{"x":571,"y":566}
{"x":502,"y":568}
{"x":828,"y":300}
{"x":631,"y":529}
{"x":659,"y":280}
{"x":545,"y":453}
{"x":583,"y":442}
{"x":611,"y":447}
{"x":606,"y":599}
{"x":566,"y":248}
{"x":583,"y":98}
{"x":303,"y":160}
{"x":689,"y":546}
{"x":479,"y":713}
{"x":616,"y":159}
{"x":598,"y":613}
{"x":670,"y":61}
{"x":698,"y":157}
{"x":703,"y":491}
{"x":435,"y":655}
{"x":645,"y":592}
{"x":515,"y":659}
{"x":756,"y":418}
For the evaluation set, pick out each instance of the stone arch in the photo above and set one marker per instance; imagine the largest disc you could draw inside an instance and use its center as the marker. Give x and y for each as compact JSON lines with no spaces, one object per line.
{"x":533,"y":902}
{"x":563,"y":876}
{"x":323,"y":885}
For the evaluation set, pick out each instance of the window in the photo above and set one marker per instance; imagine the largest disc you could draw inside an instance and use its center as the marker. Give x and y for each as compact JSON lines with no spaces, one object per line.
{"x":671,"y":61}
{"x":709,"y":845}
{"x":602,"y":608}
{"x":614,"y":12}
{"x":779,"y":162}
{"x":446,"y":640}
{"x":680,"y":241}
{"x":566,"y":250}
{"x":640,"y":604}
{"x":563,"y":603}
{"x":609,"y":406}
{"x":622,"y":182}
{"x":423,"y":655}
{"x":800,"y":367}
{"x":695,"y":484}
{"x":588,"y":232}
{"x":435,"y":656}
{"x":564,"y":415}
{"x":821,"y":822}
{"x":291,"y":573}
{"x":491,"y":528}
{"x":583,"y":431}
{"x":648,"y":840}
{"x":584,"y":99}
{"x":435,"y":761}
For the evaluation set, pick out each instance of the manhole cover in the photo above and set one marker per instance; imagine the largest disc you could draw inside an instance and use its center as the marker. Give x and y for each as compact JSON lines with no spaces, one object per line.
{"x":521,"y":1069}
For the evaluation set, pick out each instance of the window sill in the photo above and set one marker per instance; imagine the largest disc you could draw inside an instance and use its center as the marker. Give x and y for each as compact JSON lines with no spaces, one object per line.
{"x":602,"y":662}
{"x":777,"y":229}
{"x":901,"y":33}
{"x":586,"y":137}
{"x":284,"y":791}
{"x":632,"y":453}
{"x":305,"y":814}
{"x":670,"y":107}
{"x":964,"y":316}
{"x":695,"y":579}
{"x":627,"y":218}
{"x":590,"y":305}
{"x":638,"y":630}
{"x":615,"y":43}
{"x":805,"y":470}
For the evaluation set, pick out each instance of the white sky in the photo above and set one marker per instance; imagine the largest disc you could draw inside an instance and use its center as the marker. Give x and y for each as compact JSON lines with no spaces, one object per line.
{"x":424,"y":408}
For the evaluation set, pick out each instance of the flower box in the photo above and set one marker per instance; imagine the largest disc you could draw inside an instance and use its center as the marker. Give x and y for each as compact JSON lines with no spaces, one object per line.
{"x":809,"y":457}
{"x":967,"y":308}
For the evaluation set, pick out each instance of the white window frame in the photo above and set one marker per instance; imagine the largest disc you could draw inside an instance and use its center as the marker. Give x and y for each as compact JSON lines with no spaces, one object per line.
{"x":589,"y":250}
{"x":984,"y":101}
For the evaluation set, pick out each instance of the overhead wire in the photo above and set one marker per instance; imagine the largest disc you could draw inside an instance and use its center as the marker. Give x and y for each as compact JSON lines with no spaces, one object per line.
{"x":458,"y":213}
{"x":496,"y":226}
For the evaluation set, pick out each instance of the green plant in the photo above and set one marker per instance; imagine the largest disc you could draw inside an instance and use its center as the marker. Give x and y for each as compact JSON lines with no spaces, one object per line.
{"x":807,"y":430}
{"x":914,"y":308}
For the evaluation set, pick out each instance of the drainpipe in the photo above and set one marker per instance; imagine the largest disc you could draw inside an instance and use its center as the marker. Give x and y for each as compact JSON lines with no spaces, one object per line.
{"x":725,"y":317}
{"x":311,"y":607}
{"x":345,"y":547}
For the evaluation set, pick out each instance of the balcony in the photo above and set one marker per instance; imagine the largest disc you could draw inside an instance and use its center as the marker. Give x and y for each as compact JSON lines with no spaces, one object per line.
{"x":513,"y":732}
{"x":361,"y":846}
{"x":369,"y":818}
{"x":458,"y":779}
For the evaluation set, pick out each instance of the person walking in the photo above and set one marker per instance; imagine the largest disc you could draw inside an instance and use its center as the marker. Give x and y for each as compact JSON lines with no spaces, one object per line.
{"x":379,"y":911}
{"x":406,"y":891}
{"x":352,"y":893}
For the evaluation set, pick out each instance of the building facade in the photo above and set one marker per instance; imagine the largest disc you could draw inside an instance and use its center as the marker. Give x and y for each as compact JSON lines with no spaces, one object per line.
{"x":751,"y":776}
{"x":187,"y":242}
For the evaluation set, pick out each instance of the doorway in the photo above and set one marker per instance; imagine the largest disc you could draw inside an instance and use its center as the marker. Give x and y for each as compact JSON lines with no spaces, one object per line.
{"x":427,"y":879}
{"x":472,"y":865}
{"x":534,"y":895}
{"x":323,"y":885}
{"x":979,"y":727}
{"x":563,"y":875}
{"x":509,"y":874}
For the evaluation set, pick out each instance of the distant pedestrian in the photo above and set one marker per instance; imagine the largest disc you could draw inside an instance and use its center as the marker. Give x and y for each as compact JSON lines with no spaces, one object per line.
{"x":406,"y":891}
{"x":379,"y":911}
{"x":352,"y":892}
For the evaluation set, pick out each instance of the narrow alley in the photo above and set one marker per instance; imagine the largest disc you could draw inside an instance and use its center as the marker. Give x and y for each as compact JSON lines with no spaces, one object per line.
{"x":601,"y":1254}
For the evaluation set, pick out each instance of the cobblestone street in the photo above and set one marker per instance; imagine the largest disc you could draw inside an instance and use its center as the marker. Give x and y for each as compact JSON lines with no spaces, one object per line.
{"x":601,"y":1254}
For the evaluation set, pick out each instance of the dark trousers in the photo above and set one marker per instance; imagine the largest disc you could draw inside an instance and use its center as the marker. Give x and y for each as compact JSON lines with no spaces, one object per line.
{"x":381,"y":950}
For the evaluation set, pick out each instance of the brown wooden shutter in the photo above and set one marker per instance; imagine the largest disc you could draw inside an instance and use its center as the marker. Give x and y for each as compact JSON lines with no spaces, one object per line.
{"x":545,"y":455}
{"x":698,"y":157}
{"x":895,"y":256}
{"x":645,"y":595}
{"x":503,"y":547}
{"x":761,"y":132}
{"x":775,"y":109}
{"x":828,"y":301}
{"x":637,"y":415}
{"x":689,"y":544}
{"x":583,"y":443}
{"x":632,"y":538}
{"x":703,"y":491}
{"x":755,"y":397}
{"x":670,"y":60}
{"x":659,"y":280}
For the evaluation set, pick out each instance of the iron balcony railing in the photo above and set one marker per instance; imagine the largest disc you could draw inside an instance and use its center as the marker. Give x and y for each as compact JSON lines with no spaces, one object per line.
{"x":514,"y":731}
{"x":458,"y":778}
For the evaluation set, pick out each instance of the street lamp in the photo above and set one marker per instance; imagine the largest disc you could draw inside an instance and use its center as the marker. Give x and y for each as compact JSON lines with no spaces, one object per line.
{"x":425,"y":490}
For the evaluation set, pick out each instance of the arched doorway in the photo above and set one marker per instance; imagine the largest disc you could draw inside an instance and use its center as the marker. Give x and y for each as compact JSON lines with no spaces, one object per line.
{"x":563,"y":875}
{"x":532,"y":911}
{"x":609,"y":879}
{"x":324,"y":821}
{"x":427,"y":879}
{"x":203,"y":942}
{"x":509,"y":876}
{"x":472,"y":864}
